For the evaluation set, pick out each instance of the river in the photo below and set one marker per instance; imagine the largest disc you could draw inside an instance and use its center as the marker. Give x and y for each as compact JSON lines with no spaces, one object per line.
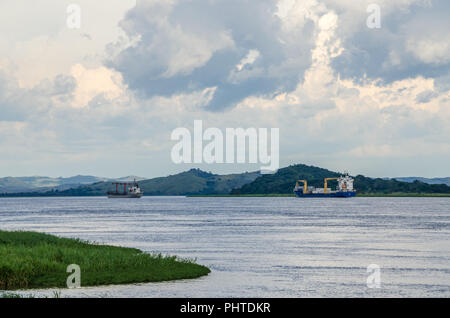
{"x":260,"y":247}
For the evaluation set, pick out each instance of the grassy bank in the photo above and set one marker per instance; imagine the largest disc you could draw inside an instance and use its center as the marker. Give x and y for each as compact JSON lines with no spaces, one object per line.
{"x":35,"y":260}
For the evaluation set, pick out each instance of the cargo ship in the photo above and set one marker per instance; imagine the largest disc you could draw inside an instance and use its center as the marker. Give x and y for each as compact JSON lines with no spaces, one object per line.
{"x":130,"y":190}
{"x":345,"y":189}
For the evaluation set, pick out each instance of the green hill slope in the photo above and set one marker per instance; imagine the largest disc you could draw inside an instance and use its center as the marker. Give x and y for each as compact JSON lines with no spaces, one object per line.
{"x":284,"y":180}
{"x":196,"y":182}
{"x":381,"y":186}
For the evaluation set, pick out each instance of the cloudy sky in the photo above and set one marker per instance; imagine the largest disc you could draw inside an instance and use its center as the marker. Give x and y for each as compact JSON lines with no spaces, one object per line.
{"x":103,"y":99}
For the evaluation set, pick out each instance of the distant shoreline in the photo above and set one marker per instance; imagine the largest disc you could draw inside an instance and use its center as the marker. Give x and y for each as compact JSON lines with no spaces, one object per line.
{"x":406,"y":195}
{"x":375,"y":195}
{"x":273,"y":195}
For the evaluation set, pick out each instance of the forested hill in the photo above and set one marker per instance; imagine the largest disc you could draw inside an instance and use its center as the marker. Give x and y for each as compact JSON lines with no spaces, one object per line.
{"x":284,"y":180}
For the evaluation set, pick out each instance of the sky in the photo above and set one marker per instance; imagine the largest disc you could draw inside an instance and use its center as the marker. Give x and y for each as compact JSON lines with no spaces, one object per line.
{"x":104,"y":98}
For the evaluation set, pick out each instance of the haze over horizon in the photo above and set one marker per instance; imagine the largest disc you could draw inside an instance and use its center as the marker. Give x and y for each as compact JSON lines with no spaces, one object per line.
{"x":102,"y":100}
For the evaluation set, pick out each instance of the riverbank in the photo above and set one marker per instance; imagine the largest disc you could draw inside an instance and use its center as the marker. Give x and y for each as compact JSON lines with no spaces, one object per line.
{"x":240,"y":195}
{"x":370,"y":195}
{"x":30,"y":260}
{"x":406,"y":195}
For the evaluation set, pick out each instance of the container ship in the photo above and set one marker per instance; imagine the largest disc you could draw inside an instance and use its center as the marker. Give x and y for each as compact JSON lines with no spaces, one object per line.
{"x":130,"y":190}
{"x":345,"y":189}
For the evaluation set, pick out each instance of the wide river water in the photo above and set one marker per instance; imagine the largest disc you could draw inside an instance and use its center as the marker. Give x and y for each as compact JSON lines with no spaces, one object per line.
{"x":260,"y":247}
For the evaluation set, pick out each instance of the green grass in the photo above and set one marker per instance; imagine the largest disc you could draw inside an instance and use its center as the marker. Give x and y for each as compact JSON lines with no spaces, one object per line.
{"x":34,"y":260}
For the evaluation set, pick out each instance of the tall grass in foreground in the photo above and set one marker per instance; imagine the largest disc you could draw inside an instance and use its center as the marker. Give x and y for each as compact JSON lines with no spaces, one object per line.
{"x":36,"y":260}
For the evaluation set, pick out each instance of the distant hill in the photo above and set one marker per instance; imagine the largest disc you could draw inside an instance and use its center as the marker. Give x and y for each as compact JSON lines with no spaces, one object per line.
{"x":9,"y":185}
{"x":44,"y":184}
{"x":284,"y":180}
{"x":128,"y":179}
{"x":39,"y":182}
{"x":192,"y":182}
{"x":425,"y":180}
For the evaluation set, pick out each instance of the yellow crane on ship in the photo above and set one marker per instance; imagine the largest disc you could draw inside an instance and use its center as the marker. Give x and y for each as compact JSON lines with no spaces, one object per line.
{"x":305,"y":185}
{"x":325,"y":186}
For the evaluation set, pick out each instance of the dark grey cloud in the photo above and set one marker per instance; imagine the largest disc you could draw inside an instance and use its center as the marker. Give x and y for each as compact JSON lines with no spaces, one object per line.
{"x":9,"y":109}
{"x":19,"y":104}
{"x":388,"y":53}
{"x":60,"y":85}
{"x":251,"y":25}
{"x":426,"y":96}
{"x":393,"y":52}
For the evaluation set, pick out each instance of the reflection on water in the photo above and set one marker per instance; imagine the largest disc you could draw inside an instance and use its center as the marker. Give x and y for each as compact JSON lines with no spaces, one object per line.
{"x":261,"y":247}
